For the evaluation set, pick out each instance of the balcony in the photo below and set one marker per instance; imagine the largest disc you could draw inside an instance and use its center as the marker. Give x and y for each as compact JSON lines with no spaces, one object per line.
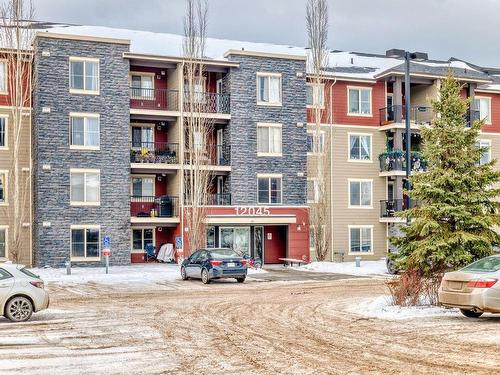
{"x":215,"y":155}
{"x":149,"y":209}
{"x":154,"y":99}
{"x":394,"y":163}
{"x":219,"y":199}
{"x":472,"y":115}
{"x":389,"y":208}
{"x":207,"y":102}
{"x":396,"y":114}
{"x":154,"y":153}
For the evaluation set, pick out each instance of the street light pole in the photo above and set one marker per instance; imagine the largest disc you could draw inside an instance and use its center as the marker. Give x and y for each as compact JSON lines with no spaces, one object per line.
{"x":407,"y":124}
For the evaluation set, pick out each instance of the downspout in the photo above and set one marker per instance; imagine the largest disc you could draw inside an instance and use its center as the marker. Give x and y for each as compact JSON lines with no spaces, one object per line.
{"x":181,"y":151}
{"x":331,"y":168}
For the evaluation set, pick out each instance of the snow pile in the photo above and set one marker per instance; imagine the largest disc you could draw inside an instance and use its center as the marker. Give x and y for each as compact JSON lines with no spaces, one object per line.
{"x":382,"y":308}
{"x":368,"y":267}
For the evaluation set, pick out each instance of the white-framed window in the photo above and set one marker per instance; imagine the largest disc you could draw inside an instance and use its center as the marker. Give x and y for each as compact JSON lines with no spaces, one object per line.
{"x":483,"y":105}
{"x":3,"y":77}
{"x":3,"y":187}
{"x":83,"y":75}
{"x":85,"y":187}
{"x":485,"y":144}
{"x":269,"y":89}
{"x":199,"y":89}
{"x":142,"y":85}
{"x":143,"y":136}
{"x":360,"y":239}
{"x":312,"y":146}
{"x":360,"y":147}
{"x":313,"y":190}
{"x":359,"y":101}
{"x":85,"y":242}
{"x":269,"y":139}
{"x":85,"y":131}
{"x":3,"y":242}
{"x":360,"y":193}
{"x":142,"y":237}
{"x":143,"y":186}
{"x":269,"y":188}
{"x":315,"y":95}
{"x":4,"y":135}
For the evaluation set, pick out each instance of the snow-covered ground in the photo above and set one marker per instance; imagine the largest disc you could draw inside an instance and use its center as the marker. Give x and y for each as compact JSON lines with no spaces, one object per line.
{"x":136,"y":274}
{"x":368,"y":267}
{"x":381,"y":308}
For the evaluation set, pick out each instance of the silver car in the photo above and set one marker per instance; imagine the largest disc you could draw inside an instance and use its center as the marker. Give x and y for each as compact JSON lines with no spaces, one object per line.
{"x":474,"y":289}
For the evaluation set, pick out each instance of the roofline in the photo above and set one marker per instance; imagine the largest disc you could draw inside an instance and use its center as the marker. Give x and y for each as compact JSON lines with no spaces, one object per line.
{"x":331,"y":77}
{"x":45,"y":34}
{"x":131,"y":55}
{"x":265,"y":54}
{"x":488,"y":91}
{"x":435,"y":76}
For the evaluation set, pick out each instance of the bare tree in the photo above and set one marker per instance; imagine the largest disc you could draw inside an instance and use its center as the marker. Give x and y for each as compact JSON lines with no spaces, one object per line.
{"x":199,"y":151}
{"x":317,"y":32}
{"x":16,"y":37}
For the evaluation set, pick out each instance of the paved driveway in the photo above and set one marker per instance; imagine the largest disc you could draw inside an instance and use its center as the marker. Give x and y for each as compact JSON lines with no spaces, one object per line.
{"x":280,"y":273}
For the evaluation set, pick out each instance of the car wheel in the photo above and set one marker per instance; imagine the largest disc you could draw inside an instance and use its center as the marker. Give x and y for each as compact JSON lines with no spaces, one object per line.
{"x":183,"y":273}
{"x":390,"y":267}
{"x":19,"y":309}
{"x":471,"y":314}
{"x":240,"y":279}
{"x":205,"y":277}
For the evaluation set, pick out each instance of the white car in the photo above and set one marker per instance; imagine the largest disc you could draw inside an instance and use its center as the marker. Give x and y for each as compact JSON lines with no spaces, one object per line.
{"x":21,"y":292}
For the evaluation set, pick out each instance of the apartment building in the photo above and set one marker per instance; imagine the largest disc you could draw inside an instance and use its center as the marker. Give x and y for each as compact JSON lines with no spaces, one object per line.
{"x":109,"y":129}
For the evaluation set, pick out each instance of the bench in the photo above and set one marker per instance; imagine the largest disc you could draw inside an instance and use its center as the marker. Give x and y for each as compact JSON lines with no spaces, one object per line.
{"x":291,"y":261}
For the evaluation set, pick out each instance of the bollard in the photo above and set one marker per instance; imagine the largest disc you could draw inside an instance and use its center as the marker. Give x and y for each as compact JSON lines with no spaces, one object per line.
{"x":68,"y":267}
{"x":358,"y":261}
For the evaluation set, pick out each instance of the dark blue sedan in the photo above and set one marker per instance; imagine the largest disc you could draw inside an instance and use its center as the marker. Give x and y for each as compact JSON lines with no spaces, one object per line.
{"x":208,"y":264}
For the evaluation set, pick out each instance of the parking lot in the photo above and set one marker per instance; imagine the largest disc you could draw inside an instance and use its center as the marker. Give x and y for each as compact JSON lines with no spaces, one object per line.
{"x":289,"y":327}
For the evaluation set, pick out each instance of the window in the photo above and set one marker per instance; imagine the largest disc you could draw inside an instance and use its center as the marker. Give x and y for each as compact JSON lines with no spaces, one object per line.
{"x":143,"y":186}
{"x":3,"y":187}
{"x":3,"y":242}
{"x":142,"y":86}
{"x":360,"y":193}
{"x":85,"y":241}
{"x":3,"y":76}
{"x":198,"y":90}
{"x":85,"y":187}
{"x":143,"y":136}
{"x":3,"y":133}
{"x":312,"y":238}
{"x":486,"y":146}
{"x":84,"y":131}
{"x":269,"y":139}
{"x":315,"y":147}
{"x":84,"y":75}
{"x":269,"y":89}
{"x":4,"y":275}
{"x":360,"y":147}
{"x":483,"y":105}
{"x":315,"y":95}
{"x":142,"y":237}
{"x":210,"y":237}
{"x":269,"y":189}
{"x":313,"y":190}
{"x":360,"y":239}
{"x":359,"y":101}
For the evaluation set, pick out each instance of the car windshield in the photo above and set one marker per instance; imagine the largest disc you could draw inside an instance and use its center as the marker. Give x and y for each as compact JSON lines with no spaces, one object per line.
{"x":488,"y":264}
{"x":29,"y":273}
{"x":223,"y":253}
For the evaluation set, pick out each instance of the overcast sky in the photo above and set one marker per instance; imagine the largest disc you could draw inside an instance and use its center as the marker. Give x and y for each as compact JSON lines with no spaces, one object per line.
{"x":466,"y":29}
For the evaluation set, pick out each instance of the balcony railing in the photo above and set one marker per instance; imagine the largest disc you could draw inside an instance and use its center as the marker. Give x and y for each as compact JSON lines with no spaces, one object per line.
{"x":210,"y":155}
{"x":154,"y":152}
{"x":159,"y":99}
{"x":472,"y":115}
{"x":388,"y":208}
{"x":206,"y":102}
{"x":149,"y":206}
{"x":420,"y":115}
{"x":396,"y":161}
{"x":219,"y":199}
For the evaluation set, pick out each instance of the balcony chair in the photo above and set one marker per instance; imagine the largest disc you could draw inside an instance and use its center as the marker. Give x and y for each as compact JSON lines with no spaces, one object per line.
{"x":149,"y":253}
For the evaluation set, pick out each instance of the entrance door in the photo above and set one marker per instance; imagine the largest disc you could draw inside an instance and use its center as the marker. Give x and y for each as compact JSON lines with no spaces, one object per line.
{"x":258,"y":250}
{"x":237,"y":238}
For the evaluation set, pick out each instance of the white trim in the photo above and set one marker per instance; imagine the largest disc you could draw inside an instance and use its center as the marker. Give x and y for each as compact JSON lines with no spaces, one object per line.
{"x":313,"y":84}
{"x":6,"y":92}
{"x":84,"y":172}
{"x":6,"y":135}
{"x":370,"y":160}
{"x":5,"y":173}
{"x":268,"y":176}
{"x":84,"y":227}
{"x":490,"y":115}
{"x":322,"y":135}
{"x":84,"y":115}
{"x":269,"y":74}
{"x":84,"y":91}
{"x":349,"y":180}
{"x":488,"y":141}
{"x":348,"y":101}
{"x":142,"y":176}
{"x":316,"y":189}
{"x":141,"y":228}
{"x":270,"y":125}
{"x":349,"y":227}
{"x":6,"y":228}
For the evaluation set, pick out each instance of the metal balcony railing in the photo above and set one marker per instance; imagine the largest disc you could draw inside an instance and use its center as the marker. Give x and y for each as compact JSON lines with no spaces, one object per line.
{"x":149,"y":206}
{"x":206,"y":102}
{"x":219,"y":199}
{"x":209,"y":155}
{"x":388,"y":208}
{"x":396,"y":161}
{"x":154,"y":152}
{"x":159,"y":99}
{"x":420,"y":115}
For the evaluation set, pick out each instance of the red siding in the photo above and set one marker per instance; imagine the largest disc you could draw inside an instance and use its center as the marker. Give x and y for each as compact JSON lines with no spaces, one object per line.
{"x":495,"y":112}
{"x":25,"y":72}
{"x":275,"y":247}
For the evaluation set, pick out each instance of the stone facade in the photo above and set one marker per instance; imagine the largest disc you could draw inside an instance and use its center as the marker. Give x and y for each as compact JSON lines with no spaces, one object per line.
{"x":52,"y":104}
{"x":245,"y":114}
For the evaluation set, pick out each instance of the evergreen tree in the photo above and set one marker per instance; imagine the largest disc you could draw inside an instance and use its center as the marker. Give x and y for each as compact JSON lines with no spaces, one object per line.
{"x":456,"y":214}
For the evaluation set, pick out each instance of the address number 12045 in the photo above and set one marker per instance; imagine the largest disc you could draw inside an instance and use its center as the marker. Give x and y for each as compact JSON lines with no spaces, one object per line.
{"x":252,"y":211}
